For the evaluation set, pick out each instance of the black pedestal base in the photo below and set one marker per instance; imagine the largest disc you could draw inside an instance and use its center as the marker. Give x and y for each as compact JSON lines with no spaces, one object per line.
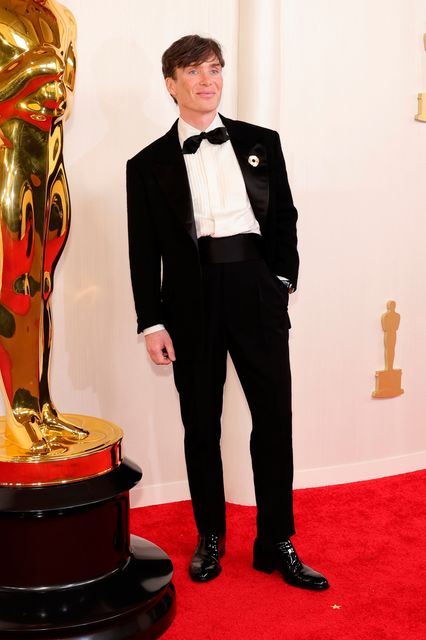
{"x":68,"y":571}
{"x":135,"y":602}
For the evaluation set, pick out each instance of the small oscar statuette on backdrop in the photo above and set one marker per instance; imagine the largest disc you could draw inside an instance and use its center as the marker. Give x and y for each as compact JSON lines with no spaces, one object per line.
{"x":69,"y":567}
{"x":388,"y":381}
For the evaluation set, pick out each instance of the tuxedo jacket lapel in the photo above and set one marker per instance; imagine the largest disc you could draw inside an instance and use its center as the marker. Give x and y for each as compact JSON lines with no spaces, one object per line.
{"x":172,"y":176}
{"x":256,"y":175}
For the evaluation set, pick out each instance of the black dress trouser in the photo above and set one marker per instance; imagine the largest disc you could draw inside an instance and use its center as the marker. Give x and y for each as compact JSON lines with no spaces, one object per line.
{"x":245,"y":311}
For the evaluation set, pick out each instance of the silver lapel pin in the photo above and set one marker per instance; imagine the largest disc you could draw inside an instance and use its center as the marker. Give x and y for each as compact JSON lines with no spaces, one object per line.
{"x":253,"y":160}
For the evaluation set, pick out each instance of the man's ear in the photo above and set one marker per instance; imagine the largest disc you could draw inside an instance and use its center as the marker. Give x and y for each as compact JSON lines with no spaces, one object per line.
{"x":170,"y":84}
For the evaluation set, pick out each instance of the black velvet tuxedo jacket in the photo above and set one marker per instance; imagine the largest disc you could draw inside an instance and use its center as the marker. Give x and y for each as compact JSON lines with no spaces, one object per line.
{"x":164,"y":259}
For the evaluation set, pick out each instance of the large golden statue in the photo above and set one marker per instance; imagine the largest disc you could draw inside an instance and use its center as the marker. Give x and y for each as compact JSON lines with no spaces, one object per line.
{"x":63,"y":483}
{"x":37,"y":67}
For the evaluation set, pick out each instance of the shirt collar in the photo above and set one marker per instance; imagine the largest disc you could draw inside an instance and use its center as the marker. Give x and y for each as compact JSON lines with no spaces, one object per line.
{"x":186,"y":130}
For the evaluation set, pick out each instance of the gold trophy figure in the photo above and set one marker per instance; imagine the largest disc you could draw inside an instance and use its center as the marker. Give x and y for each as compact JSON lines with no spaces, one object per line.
{"x":64,"y":487}
{"x":388,"y":381}
{"x":37,"y":76}
{"x":390,"y":325}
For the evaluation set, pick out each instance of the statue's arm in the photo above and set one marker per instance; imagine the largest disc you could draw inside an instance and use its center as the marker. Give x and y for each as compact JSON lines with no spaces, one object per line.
{"x":19,"y":73}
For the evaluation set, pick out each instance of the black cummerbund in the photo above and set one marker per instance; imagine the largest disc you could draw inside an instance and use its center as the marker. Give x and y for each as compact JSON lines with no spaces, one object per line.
{"x":238,"y":248}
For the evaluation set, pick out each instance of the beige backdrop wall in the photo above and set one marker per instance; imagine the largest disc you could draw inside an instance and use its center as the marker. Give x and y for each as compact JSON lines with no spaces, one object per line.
{"x":342,"y":78}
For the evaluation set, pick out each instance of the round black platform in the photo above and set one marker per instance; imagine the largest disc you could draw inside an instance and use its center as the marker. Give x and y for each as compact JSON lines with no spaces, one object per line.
{"x":70,"y":570}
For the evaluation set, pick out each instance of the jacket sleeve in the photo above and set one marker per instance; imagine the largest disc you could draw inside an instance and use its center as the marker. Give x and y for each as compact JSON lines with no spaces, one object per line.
{"x":144,"y":250}
{"x":286,"y":261}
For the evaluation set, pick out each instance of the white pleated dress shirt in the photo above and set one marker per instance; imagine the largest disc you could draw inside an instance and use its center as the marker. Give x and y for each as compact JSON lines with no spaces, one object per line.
{"x":219,"y":197}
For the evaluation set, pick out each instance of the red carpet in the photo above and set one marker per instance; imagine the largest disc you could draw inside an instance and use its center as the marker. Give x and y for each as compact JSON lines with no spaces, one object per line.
{"x":368,"y":538}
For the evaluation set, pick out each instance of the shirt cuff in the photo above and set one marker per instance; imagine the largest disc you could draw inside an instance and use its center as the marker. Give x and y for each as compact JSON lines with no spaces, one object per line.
{"x":153,"y":329}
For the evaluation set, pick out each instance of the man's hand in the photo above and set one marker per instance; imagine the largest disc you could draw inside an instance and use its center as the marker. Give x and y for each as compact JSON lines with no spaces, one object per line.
{"x":160,"y":347}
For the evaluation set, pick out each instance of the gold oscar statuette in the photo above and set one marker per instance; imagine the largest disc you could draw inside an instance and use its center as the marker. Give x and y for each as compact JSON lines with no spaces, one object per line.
{"x":37,"y":77}
{"x":69,"y":568}
{"x":388,"y":381}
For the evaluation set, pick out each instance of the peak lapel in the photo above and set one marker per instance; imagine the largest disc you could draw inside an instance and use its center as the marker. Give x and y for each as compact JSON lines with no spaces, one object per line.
{"x":252,"y":158}
{"x":172,"y":176}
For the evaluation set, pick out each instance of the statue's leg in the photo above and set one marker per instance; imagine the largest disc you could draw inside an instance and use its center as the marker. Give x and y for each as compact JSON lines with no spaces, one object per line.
{"x":19,"y":377}
{"x":56,"y":232}
{"x":52,"y":421}
{"x":19,"y":325}
{"x":390,"y":343}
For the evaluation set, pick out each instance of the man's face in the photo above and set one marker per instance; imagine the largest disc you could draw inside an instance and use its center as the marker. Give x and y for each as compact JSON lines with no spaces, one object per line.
{"x":197,"y":88}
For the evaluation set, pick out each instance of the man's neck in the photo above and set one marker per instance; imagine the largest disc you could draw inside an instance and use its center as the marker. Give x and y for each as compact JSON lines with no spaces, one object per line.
{"x":200,"y":121}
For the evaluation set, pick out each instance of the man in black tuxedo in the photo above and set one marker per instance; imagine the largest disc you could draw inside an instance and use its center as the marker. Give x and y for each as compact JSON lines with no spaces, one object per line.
{"x":213,"y":255}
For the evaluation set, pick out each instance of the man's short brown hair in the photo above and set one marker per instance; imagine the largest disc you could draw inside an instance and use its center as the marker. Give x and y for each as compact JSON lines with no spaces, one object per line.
{"x":189,"y":50}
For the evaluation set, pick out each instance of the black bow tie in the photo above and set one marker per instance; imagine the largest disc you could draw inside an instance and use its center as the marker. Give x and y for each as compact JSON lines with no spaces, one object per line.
{"x":216,"y":136}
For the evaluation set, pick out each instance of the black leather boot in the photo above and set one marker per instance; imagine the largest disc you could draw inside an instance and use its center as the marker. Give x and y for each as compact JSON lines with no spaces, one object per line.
{"x":205,"y":561}
{"x":281,"y":556}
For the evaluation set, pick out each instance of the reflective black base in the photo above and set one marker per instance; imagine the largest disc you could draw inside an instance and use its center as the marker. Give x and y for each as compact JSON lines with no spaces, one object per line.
{"x":67,"y":570}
